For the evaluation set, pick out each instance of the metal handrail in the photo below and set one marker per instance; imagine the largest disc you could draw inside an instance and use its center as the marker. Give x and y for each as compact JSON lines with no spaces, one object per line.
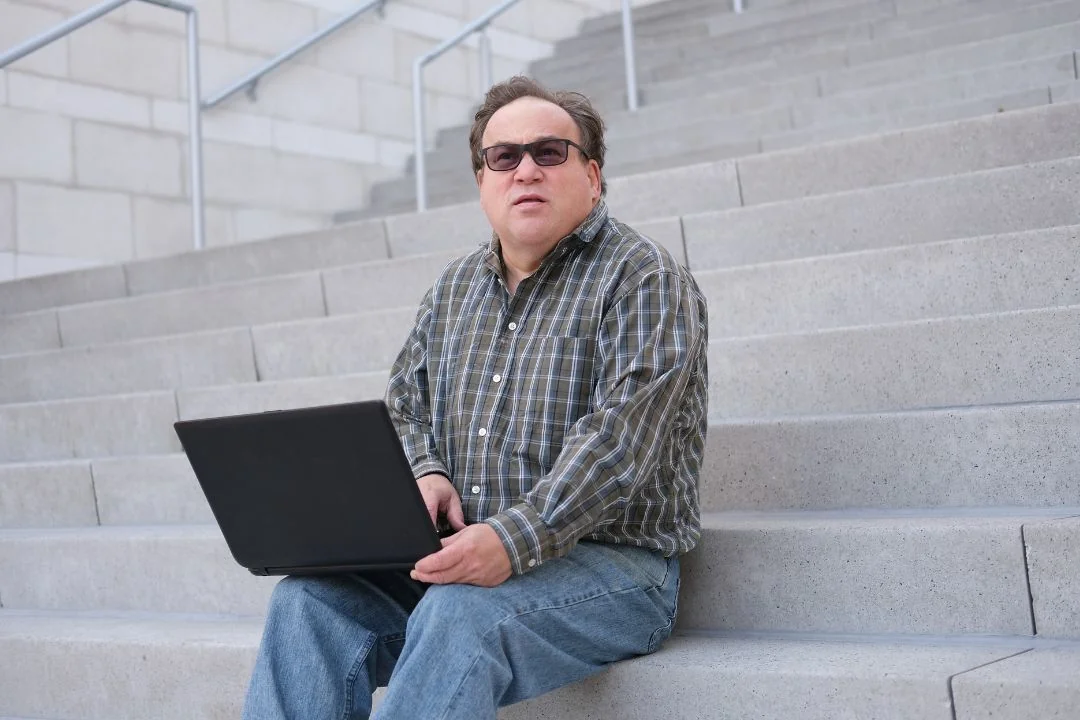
{"x":250,"y":81}
{"x":194,"y":111}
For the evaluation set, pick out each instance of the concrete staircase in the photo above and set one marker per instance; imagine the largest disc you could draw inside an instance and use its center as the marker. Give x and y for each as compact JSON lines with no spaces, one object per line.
{"x":892,"y":479}
{"x":788,"y":74}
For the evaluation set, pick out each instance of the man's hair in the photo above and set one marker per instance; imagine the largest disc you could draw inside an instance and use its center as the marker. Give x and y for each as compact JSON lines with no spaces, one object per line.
{"x":585,"y":116}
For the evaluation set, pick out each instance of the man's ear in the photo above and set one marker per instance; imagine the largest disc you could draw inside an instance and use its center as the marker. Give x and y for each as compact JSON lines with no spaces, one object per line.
{"x":479,"y":175}
{"x":594,"y":178}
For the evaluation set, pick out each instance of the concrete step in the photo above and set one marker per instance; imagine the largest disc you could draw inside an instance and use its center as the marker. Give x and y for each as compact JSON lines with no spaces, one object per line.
{"x":818,"y":679}
{"x":999,"y":273}
{"x":830,"y":49}
{"x":1019,"y":455}
{"x":345,"y":244}
{"x":1024,"y":356}
{"x":125,"y":666}
{"x":89,"y":427}
{"x":279,"y":298}
{"x":1006,"y":139}
{"x":903,"y":118}
{"x":980,"y":203}
{"x":197,"y":669}
{"x":722,"y":34}
{"x":369,"y":342}
{"x":137,"y":424}
{"x":138,"y":490}
{"x":746,"y":135}
{"x":951,"y":573}
{"x":995,"y":140}
{"x":693,"y":78}
{"x":192,"y":360}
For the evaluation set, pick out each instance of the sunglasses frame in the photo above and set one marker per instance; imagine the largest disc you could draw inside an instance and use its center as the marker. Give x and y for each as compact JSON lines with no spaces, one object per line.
{"x":528,"y":148}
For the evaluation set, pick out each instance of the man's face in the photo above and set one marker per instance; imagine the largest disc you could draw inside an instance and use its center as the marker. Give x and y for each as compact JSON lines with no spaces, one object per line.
{"x":535,"y":206}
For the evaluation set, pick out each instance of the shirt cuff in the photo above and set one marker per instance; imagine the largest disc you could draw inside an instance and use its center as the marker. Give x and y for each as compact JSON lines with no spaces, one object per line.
{"x":526,"y":538}
{"x":427,"y":467}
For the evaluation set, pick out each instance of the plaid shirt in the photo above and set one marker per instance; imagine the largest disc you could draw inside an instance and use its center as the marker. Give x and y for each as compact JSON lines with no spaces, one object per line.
{"x":574,"y":408}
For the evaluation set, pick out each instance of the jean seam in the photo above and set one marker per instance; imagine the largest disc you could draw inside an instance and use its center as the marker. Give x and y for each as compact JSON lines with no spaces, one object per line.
{"x":350,"y":679}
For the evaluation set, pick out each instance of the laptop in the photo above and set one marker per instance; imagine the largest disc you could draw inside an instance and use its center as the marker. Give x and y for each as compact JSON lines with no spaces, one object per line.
{"x":314,"y":491}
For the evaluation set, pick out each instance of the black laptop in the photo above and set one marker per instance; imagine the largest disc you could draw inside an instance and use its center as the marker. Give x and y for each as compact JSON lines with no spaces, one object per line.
{"x":315,"y":491}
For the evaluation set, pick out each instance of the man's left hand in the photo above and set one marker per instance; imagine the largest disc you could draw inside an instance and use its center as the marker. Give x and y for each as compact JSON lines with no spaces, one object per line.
{"x":473,"y":556}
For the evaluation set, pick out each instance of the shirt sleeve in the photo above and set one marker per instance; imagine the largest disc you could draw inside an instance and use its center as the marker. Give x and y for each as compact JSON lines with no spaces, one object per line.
{"x":408,"y":398}
{"x":651,"y":359}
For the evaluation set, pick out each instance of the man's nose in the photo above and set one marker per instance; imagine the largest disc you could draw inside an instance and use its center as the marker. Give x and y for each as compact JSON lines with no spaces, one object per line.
{"x":527,"y":170}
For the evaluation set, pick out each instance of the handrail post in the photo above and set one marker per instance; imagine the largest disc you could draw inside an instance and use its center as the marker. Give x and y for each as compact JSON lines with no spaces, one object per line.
{"x":628,"y":54}
{"x":484,"y":46}
{"x":418,"y":132}
{"x":195,"y":146}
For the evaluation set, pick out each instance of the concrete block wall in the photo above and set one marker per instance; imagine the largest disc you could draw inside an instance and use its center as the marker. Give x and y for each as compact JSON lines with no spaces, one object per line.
{"x":93,"y":128}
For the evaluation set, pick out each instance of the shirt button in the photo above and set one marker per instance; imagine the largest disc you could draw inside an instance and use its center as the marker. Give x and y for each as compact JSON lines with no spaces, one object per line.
{"x":512,"y":326}
{"x":496,"y":378}
{"x":483,"y":432}
{"x":532,"y":563}
{"x":475,"y":489}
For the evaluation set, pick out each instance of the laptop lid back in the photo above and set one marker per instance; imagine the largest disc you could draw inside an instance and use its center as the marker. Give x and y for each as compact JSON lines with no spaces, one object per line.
{"x":322,"y":489}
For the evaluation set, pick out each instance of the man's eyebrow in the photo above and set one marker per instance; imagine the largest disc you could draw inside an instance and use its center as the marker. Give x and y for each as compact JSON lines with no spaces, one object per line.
{"x":539,"y":139}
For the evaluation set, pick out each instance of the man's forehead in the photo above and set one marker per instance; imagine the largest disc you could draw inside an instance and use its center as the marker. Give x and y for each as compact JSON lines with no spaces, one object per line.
{"x":527,"y":119}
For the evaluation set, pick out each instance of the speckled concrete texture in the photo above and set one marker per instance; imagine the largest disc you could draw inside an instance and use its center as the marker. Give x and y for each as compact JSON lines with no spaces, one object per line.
{"x":274,"y":299}
{"x":92,"y":427}
{"x":281,"y":395}
{"x":49,"y":291}
{"x":46,"y":495}
{"x":331,"y":346}
{"x":342,"y":245}
{"x":1023,"y":356}
{"x":998,"y":273}
{"x":178,"y":668}
{"x":902,"y":574}
{"x":28,"y":333}
{"x":149,"y":490}
{"x":164,"y":569}
{"x":731,"y":679}
{"x":1027,"y":136}
{"x":1043,"y":684}
{"x":983,"y":203}
{"x":1009,"y":456}
{"x":437,"y":230}
{"x":401,"y":282}
{"x":1053,"y":552}
{"x":192,"y":360}
{"x":673,"y":192}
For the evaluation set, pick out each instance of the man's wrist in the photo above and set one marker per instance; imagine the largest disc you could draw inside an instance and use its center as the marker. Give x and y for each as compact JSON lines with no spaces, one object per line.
{"x":525,"y":537}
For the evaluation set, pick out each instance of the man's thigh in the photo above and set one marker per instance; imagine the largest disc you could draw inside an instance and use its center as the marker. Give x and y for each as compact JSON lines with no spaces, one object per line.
{"x":562,"y":621}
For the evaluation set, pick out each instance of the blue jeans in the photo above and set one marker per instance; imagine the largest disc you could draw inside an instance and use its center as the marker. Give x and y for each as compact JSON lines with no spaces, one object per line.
{"x":456,"y":651}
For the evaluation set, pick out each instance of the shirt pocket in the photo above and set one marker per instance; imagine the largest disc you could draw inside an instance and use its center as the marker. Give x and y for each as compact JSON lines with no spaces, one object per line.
{"x":556,"y":377}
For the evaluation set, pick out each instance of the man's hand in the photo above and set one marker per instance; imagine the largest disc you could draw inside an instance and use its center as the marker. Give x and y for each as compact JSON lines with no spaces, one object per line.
{"x":441,"y":498}
{"x":474,"y":556}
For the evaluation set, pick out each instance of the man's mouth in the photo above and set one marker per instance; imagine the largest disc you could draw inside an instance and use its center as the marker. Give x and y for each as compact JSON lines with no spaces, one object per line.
{"x":529,"y":200}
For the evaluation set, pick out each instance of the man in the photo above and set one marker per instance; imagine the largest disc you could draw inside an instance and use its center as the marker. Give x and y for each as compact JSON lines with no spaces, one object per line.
{"x":551,"y":399}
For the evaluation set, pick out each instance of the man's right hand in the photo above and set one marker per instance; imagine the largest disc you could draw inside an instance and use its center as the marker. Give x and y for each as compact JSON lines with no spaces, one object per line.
{"x":441,"y":498}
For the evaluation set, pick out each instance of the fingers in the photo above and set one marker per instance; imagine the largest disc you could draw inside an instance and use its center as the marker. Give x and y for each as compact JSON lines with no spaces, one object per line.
{"x":440,"y":561}
{"x":455,"y":514}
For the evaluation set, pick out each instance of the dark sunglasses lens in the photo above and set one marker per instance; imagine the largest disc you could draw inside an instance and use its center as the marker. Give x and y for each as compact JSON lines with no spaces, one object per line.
{"x":550,"y":152}
{"x":503,"y":157}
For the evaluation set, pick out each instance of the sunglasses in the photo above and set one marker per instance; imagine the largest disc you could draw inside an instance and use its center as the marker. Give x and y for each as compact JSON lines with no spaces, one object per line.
{"x":553,"y":151}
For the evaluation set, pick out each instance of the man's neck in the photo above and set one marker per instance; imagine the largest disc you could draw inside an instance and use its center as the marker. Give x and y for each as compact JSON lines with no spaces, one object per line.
{"x":517,"y":269}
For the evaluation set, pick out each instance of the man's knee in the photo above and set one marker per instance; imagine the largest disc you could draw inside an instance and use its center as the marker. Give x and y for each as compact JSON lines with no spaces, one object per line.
{"x":457,"y":608}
